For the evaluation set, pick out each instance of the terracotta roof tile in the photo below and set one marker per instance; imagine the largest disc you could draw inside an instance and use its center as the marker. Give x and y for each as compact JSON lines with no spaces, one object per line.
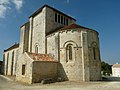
{"x":69,"y":27}
{"x":116,"y":66}
{"x":72,"y":26}
{"x":41,"y":57}
{"x":16,"y":45}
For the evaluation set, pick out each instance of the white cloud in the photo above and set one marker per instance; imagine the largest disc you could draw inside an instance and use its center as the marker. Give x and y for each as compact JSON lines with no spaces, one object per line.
{"x":5,"y":6}
{"x":2,"y":11}
{"x":4,"y":2}
{"x":18,"y":4}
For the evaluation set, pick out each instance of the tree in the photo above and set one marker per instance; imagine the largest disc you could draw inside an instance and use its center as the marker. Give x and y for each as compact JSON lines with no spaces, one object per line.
{"x":106,"y":68}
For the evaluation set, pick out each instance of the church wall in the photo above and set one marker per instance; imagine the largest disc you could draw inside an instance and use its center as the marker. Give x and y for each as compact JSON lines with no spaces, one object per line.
{"x":51,"y":24}
{"x":44,"y":70}
{"x":5,"y":63}
{"x":24,"y":38}
{"x":53,"y":45}
{"x":21,"y":46}
{"x":8,"y":67}
{"x":37,"y":32}
{"x":27,"y":62}
{"x":95,"y":64}
{"x":71,"y":69}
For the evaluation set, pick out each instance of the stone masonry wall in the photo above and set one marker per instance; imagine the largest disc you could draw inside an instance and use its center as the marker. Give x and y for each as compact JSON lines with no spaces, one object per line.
{"x":44,"y":70}
{"x":53,"y":45}
{"x":95,"y":65}
{"x":51,"y":25}
{"x":27,"y":61}
{"x":37,"y":32}
{"x":9,"y":63}
{"x":72,"y":70}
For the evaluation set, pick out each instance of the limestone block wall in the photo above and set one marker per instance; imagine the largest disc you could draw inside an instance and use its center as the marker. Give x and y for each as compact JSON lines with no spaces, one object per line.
{"x":24,"y":38}
{"x":27,"y":61}
{"x":72,"y":69}
{"x":10,"y":61}
{"x":95,"y":62}
{"x":44,"y":70}
{"x":5,"y":61}
{"x":51,"y":24}
{"x":37,"y":32}
{"x":53,"y":45}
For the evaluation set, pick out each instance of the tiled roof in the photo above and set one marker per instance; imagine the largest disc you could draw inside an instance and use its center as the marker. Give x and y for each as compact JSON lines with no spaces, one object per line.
{"x":39,"y":10}
{"x":72,"y":26}
{"x":41,"y":57}
{"x":16,"y":45}
{"x":69,"y":27}
{"x":116,"y":66}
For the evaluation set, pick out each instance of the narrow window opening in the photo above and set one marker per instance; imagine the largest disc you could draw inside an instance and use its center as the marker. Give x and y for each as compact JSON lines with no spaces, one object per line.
{"x":61,"y":19}
{"x":64,"y":20}
{"x":36,"y":49}
{"x":55,"y":17}
{"x":23,"y":69}
{"x":70,"y":53}
{"x":67,"y":21}
{"x":58,"y":18}
{"x":94,"y":53}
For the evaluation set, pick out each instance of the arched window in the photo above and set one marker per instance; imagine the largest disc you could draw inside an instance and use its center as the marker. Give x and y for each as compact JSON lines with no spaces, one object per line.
{"x":94,"y":50}
{"x":69,"y":52}
{"x":36,"y":48}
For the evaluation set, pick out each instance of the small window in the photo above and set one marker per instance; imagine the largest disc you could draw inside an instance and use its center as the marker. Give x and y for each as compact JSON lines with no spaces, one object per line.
{"x":55,"y":17}
{"x":70,"y":52}
{"x":23,"y":69}
{"x":64,"y":20}
{"x":67,"y":21}
{"x":58,"y":18}
{"x":94,"y":53}
{"x":36,"y":48}
{"x":61,"y":19}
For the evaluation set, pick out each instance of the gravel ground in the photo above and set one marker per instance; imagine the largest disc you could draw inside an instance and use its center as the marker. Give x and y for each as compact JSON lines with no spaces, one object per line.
{"x":7,"y":84}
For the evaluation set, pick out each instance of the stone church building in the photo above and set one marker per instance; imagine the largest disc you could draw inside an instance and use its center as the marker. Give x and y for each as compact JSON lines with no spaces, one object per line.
{"x":53,"y":46}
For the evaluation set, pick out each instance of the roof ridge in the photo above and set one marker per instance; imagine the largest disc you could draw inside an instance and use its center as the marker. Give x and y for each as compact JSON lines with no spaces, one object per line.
{"x":46,"y":5}
{"x":16,"y":45}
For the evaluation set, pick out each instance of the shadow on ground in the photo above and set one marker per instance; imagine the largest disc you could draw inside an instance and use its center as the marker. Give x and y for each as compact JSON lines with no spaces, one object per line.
{"x":110,"y":78}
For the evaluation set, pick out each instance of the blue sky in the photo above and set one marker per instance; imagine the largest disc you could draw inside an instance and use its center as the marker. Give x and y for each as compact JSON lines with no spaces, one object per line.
{"x":100,"y":15}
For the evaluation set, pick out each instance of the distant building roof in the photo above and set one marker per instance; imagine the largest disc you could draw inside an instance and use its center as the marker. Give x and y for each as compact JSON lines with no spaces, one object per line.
{"x":39,"y":10}
{"x":16,"y":45}
{"x":116,"y":66}
{"x":41,"y":57}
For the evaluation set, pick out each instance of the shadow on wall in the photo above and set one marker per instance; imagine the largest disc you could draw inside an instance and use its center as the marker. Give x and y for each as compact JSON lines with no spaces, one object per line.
{"x":61,"y":73}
